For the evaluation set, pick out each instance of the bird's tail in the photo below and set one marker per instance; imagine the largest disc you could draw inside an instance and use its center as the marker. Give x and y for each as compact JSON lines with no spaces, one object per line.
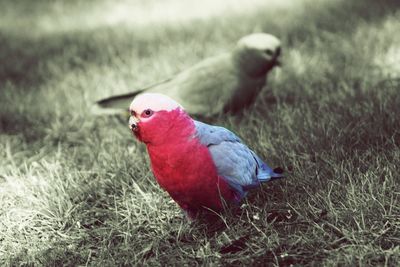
{"x":277,"y":173}
{"x":265,"y":173}
{"x":118,"y":101}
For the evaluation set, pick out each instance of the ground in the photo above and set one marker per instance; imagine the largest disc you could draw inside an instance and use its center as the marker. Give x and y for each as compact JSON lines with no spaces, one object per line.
{"x":76,"y":189}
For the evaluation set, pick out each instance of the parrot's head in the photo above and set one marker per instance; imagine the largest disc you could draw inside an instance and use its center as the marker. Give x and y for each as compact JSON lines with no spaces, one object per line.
{"x":153,"y":116}
{"x":257,"y":53}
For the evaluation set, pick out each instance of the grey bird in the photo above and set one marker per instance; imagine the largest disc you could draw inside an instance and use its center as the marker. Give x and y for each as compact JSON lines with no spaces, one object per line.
{"x":229,"y":82}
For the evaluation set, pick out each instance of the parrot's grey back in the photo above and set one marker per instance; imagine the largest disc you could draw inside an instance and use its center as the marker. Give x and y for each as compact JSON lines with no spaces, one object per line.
{"x":204,"y":88}
{"x":213,"y":86}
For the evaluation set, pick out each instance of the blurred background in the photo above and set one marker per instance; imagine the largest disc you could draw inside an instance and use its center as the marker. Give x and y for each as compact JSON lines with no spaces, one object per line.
{"x":72,"y":52}
{"x":76,"y":189}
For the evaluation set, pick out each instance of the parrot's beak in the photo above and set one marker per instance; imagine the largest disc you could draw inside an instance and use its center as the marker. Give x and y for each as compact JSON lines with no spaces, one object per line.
{"x":133,"y":124}
{"x":278,"y":63}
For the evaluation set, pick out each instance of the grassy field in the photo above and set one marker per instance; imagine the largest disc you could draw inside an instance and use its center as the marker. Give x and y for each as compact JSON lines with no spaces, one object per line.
{"x":76,"y":189}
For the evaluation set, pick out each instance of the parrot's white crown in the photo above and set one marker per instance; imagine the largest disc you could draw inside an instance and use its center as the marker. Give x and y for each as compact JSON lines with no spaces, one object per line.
{"x":153,"y":101}
{"x":260,"y":41}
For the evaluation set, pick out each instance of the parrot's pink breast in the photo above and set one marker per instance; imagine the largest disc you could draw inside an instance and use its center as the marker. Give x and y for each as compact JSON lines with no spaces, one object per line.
{"x":185,"y":169}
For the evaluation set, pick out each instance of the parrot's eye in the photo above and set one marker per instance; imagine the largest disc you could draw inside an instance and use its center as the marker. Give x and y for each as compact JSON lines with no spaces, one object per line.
{"x":147,"y":113}
{"x":268,"y":52}
{"x":133,"y":113}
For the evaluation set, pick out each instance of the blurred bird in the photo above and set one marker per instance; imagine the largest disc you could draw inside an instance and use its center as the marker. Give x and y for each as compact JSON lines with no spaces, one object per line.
{"x":225,"y":83}
{"x":201,"y":166}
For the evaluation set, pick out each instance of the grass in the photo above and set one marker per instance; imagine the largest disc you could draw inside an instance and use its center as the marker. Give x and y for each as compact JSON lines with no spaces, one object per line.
{"x":77,"y":190}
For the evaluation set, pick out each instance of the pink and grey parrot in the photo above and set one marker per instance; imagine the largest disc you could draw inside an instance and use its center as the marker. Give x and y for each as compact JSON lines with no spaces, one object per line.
{"x":201,"y":166}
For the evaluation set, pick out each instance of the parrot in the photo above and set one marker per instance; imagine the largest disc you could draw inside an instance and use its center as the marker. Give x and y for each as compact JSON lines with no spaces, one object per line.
{"x":201,"y":166}
{"x":229,"y":82}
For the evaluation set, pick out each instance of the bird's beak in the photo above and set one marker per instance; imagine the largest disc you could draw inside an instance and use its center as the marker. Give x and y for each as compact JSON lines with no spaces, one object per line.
{"x":133,"y":123}
{"x":277,"y":57}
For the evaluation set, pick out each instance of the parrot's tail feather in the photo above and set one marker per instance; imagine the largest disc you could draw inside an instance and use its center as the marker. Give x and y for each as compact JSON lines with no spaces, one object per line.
{"x":270,"y":174}
{"x":277,"y":173}
{"x":118,"y":101}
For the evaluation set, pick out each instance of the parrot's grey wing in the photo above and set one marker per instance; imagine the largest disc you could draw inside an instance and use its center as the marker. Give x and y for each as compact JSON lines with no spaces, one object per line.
{"x":203,"y":89}
{"x":234,"y":161}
